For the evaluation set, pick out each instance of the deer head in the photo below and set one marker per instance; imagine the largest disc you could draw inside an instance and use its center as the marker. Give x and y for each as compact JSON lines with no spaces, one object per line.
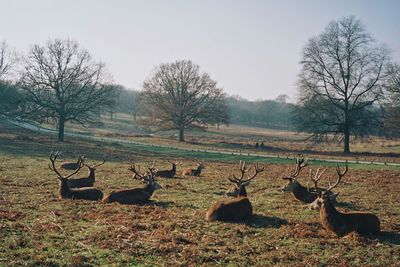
{"x":323,"y":197}
{"x":292,"y":182}
{"x":147,"y":177}
{"x":240,"y":185}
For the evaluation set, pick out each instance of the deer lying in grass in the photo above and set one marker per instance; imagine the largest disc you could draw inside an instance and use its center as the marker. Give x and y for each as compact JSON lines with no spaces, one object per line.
{"x":88,"y":193}
{"x":70,"y":165}
{"x":240,"y":207}
{"x":87,"y":181}
{"x":343,"y":223}
{"x":136,"y":195}
{"x":168,"y":173}
{"x":300,"y":192}
{"x":194,"y":172}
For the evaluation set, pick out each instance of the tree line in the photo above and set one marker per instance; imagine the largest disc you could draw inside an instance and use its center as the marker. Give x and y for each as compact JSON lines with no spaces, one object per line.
{"x":347,"y":86}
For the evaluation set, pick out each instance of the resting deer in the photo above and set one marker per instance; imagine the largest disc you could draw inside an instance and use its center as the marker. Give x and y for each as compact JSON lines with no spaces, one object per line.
{"x":343,"y":223}
{"x":194,"y":172}
{"x":85,"y":181}
{"x":240,"y":207}
{"x":300,"y":192}
{"x":70,"y":165}
{"x":88,"y":193}
{"x":168,"y":173}
{"x":136,"y":195}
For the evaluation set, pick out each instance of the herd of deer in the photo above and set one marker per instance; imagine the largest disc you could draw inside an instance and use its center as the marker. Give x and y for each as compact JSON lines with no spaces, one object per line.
{"x":238,"y":208}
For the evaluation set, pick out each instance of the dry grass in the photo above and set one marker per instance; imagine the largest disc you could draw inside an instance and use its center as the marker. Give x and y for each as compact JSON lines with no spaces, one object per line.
{"x":36,"y":228}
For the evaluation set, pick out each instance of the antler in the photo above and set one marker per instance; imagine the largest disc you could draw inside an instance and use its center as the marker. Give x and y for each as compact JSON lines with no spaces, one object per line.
{"x":316,"y":177}
{"x":340,"y":174}
{"x":132,"y":168}
{"x":99,"y":164}
{"x":243,"y":170}
{"x":53,"y":158}
{"x":300,"y":163}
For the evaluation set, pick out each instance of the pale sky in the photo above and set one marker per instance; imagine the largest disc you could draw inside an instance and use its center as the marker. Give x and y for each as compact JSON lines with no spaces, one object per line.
{"x":251,"y":48}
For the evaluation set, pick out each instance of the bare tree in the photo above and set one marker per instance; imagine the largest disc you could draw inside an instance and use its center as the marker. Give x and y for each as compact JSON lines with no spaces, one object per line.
{"x":392,"y":116}
{"x":8,"y":59}
{"x":179,"y":96}
{"x":341,"y":78}
{"x":63,"y":83}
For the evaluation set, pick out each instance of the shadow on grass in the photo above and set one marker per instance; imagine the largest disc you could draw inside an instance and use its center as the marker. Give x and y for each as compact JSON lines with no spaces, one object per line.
{"x":261,"y":221}
{"x":162,"y":204}
{"x":347,"y":205}
{"x":389,"y":237}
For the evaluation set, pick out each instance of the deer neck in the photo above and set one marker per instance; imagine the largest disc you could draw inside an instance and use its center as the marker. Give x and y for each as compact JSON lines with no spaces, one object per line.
{"x":328,"y":213}
{"x":173,"y":168}
{"x":91,"y":173}
{"x":64,"y":189}
{"x":242,"y":192}
{"x":149,"y":189}
{"x":301,"y":193}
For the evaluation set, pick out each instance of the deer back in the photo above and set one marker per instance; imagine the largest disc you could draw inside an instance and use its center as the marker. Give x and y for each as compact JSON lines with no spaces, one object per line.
{"x":237,"y":209}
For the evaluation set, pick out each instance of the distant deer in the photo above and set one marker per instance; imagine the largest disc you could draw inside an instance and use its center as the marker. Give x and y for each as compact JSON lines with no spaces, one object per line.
{"x":300,"y":192}
{"x":168,"y":173}
{"x":88,"y":193}
{"x":194,"y":172}
{"x":87,"y":181}
{"x":236,"y":209}
{"x":136,"y":195}
{"x":343,"y":223}
{"x":70,"y":165}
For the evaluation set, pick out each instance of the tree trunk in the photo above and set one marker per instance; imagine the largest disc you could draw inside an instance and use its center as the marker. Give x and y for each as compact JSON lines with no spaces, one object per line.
{"x":181,"y":134}
{"x":346,"y":144}
{"x":61,"y":124}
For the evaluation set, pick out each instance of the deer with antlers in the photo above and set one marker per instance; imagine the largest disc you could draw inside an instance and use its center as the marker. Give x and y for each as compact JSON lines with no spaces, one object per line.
{"x":87,"y":181}
{"x":88,"y":193}
{"x":343,"y":223}
{"x":169,"y":173}
{"x":194,"y":172}
{"x":136,"y":195}
{"x":300,"y":192}
{"x":240,"y":207}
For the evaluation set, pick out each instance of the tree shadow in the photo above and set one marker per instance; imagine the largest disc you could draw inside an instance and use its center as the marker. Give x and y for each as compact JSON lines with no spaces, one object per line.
{"x":162,"y":204}
{"x":389,"y":237}
{"x":261,"y":221}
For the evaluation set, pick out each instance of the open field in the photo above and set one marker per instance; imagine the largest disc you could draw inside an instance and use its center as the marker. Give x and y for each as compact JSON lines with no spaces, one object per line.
{"x":36,"y":228}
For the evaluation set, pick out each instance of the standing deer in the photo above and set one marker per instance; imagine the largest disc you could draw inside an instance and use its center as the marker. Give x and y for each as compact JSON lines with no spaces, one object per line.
{"x":87,"y":181}
{"x":236,"y":209}
{"x":343,"y":223}
{"x":300,"y":192}
{"x":88,"y":193}
{"x":136,"y":195}
{"x":169,"y":173}
{"x":194,"y":172}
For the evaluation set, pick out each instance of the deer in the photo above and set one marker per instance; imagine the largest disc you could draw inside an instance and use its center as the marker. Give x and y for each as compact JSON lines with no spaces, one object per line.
{"x":194,"y":172}
{"x":70,"y":165}
{"x":238,"y":208}
{"x":88,"y":193}
{"x":87,"y":181}
{"x":342,"y":223}
{"x":169,"y":173}
{"x":239,"y":184}
{"x":136,"y":195}
{"x":300,"y":192}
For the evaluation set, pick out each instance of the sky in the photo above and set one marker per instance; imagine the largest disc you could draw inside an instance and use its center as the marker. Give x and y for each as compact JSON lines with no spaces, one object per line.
{"x":251,"y":48}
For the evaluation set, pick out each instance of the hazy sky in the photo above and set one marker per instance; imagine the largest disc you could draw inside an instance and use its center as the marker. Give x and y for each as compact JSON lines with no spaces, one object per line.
{"x":251,"y":48}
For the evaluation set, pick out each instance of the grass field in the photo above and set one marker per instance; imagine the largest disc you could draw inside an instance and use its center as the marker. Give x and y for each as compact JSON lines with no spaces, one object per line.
{"x":36,"y":228}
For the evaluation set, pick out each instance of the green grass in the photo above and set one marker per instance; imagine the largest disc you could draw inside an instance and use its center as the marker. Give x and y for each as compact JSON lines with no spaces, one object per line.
{"x":36,"y":228}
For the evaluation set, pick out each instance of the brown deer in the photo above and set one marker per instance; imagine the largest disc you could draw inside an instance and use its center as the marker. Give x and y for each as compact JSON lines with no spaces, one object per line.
{"x":194,"y":172}
{"x":300,"y":192}
{"x":136,"y":195}
{"x":168,"y":173}
{"x":236,"y":209}
{"x":343,"y":223}
{"x":70,"y":165}
{"x":88,"y":193}
{"x":87,"y":181}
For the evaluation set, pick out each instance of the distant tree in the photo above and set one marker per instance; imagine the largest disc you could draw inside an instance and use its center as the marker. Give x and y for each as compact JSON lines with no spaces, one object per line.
{"x":180,"y":96}
{"x":64,"y":84}
{"x":340,"y":80}
{"x":8,"y":59}
{"x":392,"y":116}
{"x":11,"y":99}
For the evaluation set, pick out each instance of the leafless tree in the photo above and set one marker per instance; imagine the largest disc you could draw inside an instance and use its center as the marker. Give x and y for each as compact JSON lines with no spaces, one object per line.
{"x":179,"y":96}
{"x":8,"y":59}
{"x":64,"y":83}
{"x":341,"y":78}
{"x":392,"y":116}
